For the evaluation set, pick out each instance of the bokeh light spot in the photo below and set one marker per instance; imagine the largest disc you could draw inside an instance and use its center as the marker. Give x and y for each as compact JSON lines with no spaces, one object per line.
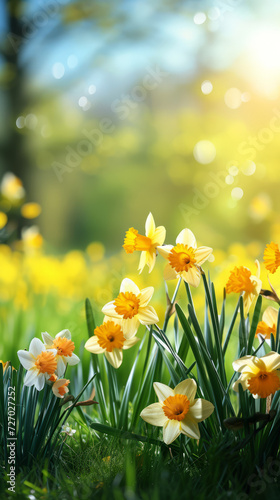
{"x":204,"y":152}
{"x":237,"y":193}
{"x":199,"y":18}
{"x":233,"y":98}
{"x":58,"y":70}
{"x":206,"y":87}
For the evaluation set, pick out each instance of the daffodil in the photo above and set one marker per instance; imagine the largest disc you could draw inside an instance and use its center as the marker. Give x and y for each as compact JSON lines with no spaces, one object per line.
{"x":131,"y":306}
{"x":30,"y":210}
{"x":271,"y":257}
{"x":184,"y":259}
{"x":110,"y":340}
{"x":177,"y":411}
{"x":32,"y":239}
{"x":242,"y":281}
{"x":261,"y":376}
{"x":60,"y":388}
{"x":39,"y":363}
{"x":148,"y":244}
{"x":64,"y":349}
{"x":268,"y":325}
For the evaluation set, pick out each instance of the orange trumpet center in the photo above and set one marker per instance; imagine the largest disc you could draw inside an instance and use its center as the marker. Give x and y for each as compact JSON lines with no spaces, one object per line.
{"x":181,"y":258}
{"x":110,"y":336}
{"x":135,"y":241}
{"x":46,"y":363}
{"x":127,"y":305}
{"x":176,"y":407}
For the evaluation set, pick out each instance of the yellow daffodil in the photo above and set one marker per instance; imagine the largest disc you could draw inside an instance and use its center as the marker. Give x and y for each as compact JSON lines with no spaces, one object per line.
{"x":3,"y":220}
{"x":12,"y":188}
{"x":184,"y":259}
{"x":268,"y":325}
{"x":60,"y":388}
{"x":39,"y":363}
{"x":131,"y":306}
{"x":30,"y":210}
{"x":177,"y":411}
{"x":242,"y":281}
{"x":110,"y":340}
{"x":148,"y":244}
{"x":64,"y":349}
{"x":271,"y":257}
{"x":261,"y":376}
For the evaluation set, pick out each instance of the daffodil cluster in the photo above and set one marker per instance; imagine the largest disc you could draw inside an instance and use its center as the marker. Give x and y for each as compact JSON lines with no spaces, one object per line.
{"x":46,"y":362}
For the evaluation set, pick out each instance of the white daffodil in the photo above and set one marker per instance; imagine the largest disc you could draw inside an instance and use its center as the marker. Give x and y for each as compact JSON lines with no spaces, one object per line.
{"x":64,"y":349}
{"x":261,"y":376}
{"x":60,"y":388}
{"x":110,"y":340}
{"x":39,"y":363}
{"x":148,"y":244}
{"x":177,"y":411}
{"x":242,"y":281}
{"x":184,"y":259}
{"x":131,"y":306}
{"x":268,"y":325}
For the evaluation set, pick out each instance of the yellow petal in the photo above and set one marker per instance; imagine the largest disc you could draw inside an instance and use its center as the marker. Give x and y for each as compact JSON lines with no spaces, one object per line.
{"x":159,"y":236}
{"x":190,"y":428}
{"x":150,"y":226}
{"x":202,"y":254}
{"x":147,"y":315}
{"x":171,"y":431}
{"x":92,"y":345}
{"x":186,"y":237}
{"x":241,"y":363}
{"x":115,"y":357}
{"x":130,"y":327}
{"x":130,"y":342}
{"x":164,"y":250}
{"x":128,"y":285}
{"x":271,"y":361}
{"x":169,"y":273}
{"x":146,"y":295}
{"x":201,"y":410}
{"x":154,"y":415}
{"x":270,"y":316}
{"x":192,"y":276}
{"x":162,"y":391}
{"x":187,"y":387}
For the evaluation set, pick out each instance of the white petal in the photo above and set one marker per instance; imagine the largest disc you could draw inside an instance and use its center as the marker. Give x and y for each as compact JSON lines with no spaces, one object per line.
{"x":109,"y":310}
{"x":241,"y":363}
{"x":171,"y":431}
{"x":47,"y":339}
{"x":162,"y":391}
{"x":202,"y":254}
{"x":186,"y":237}
{"x":146,"y":295}
{"x":147,"y":315}
{"x":243,"y":380}
{"x":26,"y":359}
{"x":187,"y":387}
{"x":271,"y":361}
{"x":200,"y":410}
{"x":40,"y":382}
{"x":61,"y":365}
{"x":72,"y":360}
{"x":115,"y":357}
{"x":93,"y":346}
{"x":270,"y":316}
{"x":64,"y":333}
{"x":169,"y":273}
{"x":36,"y":347}
{"x":190,"y":428}
{"x":154,"y":415}
{"x":128,"y":285}
{"x":150,"y":226}
{"x":192,"y":276}
{"x":159,"y":236}
{"x":130,"y":342}
{"x":30,"y":377}
{"x":130,"y":327}
{"x":165,"y":250}
{"x":117,"y":321}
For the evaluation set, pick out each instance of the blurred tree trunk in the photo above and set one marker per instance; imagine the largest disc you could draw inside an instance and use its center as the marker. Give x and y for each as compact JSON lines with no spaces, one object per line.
{"x":14,"y":156}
